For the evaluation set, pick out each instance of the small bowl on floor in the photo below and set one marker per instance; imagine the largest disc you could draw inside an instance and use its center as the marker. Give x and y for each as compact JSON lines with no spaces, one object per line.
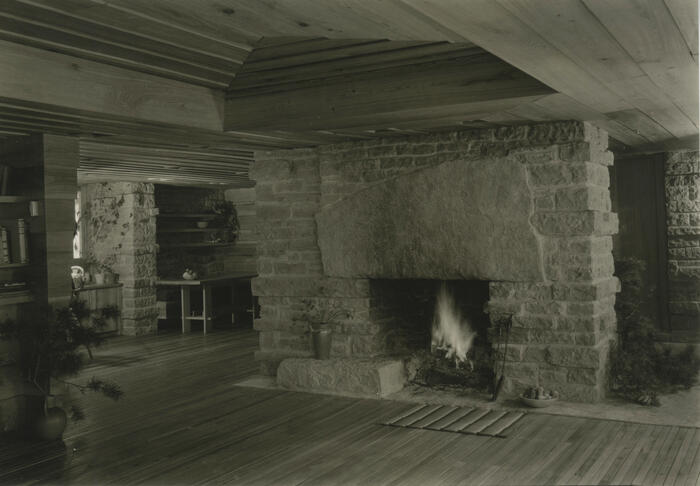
{"x":535,"y":403}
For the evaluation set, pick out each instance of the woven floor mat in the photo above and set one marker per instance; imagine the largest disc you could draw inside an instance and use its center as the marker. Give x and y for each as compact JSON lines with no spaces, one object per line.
{"x":463,"y":420}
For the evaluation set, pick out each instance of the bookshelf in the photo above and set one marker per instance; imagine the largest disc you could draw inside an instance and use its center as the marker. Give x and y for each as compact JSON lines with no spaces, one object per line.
{"x":15,"y":257}
{"x":13,"y":199}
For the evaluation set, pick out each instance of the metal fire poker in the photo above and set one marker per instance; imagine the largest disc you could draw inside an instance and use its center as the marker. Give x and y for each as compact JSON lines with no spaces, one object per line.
{"x":507,"y":323}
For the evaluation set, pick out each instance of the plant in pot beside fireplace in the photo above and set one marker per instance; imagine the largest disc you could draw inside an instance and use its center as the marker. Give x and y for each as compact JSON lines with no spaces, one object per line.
{"x":321,"y":320}
{"x":48,"y":347}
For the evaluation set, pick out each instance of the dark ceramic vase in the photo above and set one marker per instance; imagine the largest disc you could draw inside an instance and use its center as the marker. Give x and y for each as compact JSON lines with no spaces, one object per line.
{"x":50,"y":426}
{"x":322,"y":343}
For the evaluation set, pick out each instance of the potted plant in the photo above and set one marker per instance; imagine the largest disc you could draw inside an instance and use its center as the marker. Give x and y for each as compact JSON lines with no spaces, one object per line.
{"x":108,"y":275}
{"x":101,"y":271}
{"x":321,"y":319}
{"x":227,"y":220}
{"x":49,"y":350}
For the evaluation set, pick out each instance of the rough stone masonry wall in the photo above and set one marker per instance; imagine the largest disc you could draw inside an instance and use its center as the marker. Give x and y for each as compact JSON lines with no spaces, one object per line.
{"x":289,"y":263}
{"x":120,"y":229}
{"x":562,"y":324}
{"x":683,"y":219}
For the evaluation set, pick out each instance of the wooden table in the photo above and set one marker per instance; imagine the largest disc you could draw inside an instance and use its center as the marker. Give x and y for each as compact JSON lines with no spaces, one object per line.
{"x":207,"y":304}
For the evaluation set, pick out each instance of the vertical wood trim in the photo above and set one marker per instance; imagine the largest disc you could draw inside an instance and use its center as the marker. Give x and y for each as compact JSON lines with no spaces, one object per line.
{"x":658,"y":161}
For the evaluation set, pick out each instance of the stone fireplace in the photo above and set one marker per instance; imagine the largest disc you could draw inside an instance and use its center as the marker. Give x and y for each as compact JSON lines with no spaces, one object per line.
{"x":519,"y":216}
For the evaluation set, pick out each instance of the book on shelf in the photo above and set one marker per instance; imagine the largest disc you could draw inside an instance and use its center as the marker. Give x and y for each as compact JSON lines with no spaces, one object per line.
{"x":23,"y":241}
{"x":4,"y":178}
{"x":4,"y":246}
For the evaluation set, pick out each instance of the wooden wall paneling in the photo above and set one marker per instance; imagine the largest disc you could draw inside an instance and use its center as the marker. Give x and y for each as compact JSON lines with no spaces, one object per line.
{"x":61,"y":156}
{"x":338,"y":105}
{"x":351,"y":52}
{"x":275,"y":55}
{"x":647,"y":31}
{"x":453,"y":117}
{"x":685,"y":14}
{"x":654,"y":103}
{"x":641,"y":124}
{"x":82,"y":46}
{"x":393,"y":54}
{"x":418,"y":26}
{"x":38,"y":76}
{"x":52,"y":18}
{"x":350,"y":19}
{"x":493,"y":28}
{"x":568,"y":25}
{"x":98,"y":127}
{"x":638,"y":192}
{"x":225,"y":44}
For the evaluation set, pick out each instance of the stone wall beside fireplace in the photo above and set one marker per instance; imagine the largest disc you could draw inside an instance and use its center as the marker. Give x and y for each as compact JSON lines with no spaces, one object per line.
{"x":525,"y":208}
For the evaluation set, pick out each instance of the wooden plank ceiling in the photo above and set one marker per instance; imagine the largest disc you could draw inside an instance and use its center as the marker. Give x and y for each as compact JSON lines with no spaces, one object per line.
{"x":183,"y":91}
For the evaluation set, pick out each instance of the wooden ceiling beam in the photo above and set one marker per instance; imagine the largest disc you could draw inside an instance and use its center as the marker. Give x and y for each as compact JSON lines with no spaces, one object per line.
{"x":38,"y":76}
{"x":381,"y":98}
{"x":627,"y":60}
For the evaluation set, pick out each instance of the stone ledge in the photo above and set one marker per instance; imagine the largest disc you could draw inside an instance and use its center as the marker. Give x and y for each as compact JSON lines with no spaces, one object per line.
{"x":270,"y":360}
{"x":370,"y":378}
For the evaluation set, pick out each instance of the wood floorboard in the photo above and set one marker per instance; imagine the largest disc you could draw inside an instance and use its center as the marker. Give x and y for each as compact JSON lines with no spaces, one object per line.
{"x":260,"y":453}
{"x":648,"y":466}
{"x":680,"y":456}
{"x":666,"y":458}
{"x":643,"y":456}
{"x":649,"y":431}
{"x":608,"y":454}
{"x":532,"y":453}
{"x":342,"y":453}
{"x":298,"y":431}
{"x":691,"y":462}
{"x":554,"y":451}
{"x":183,"y":421}
{"x":615,"y":463}
{"x":570,"y":449}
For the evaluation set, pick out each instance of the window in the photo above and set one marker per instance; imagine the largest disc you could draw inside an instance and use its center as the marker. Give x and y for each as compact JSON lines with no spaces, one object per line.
{"x":77,"y":233}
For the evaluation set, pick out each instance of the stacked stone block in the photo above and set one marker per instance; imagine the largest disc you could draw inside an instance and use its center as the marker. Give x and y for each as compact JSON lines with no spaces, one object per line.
{"x":683,"y":223}
{"x":563,"y":322}
{"x":562,"y":327}
{"x":121,"y":231}
{"x":289,"y":264}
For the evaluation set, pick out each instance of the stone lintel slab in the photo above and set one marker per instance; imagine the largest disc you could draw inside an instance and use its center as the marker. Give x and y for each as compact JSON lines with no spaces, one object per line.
{"x":359,"y":377}
{"x":463,"y":219}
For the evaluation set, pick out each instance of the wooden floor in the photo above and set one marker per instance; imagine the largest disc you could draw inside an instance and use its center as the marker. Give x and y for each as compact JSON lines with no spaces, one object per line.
{"x":183,"y":422}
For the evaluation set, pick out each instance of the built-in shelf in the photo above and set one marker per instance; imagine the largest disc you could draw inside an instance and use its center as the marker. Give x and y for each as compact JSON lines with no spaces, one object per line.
{"x":204,"y":244}
{"x":16,"y":297}
{"x":14,"y":265}
{"x":189,"y":230}
{"x":188,"y":215}
{"x":13,"y":199}
{"x":85,"y":288}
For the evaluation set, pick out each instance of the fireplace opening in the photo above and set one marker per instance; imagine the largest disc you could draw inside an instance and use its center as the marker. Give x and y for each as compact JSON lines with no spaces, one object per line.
{"x":440,"y":327}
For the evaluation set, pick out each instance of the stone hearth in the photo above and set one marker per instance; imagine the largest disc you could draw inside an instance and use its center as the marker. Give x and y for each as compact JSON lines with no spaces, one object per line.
{"x":524,"y":209}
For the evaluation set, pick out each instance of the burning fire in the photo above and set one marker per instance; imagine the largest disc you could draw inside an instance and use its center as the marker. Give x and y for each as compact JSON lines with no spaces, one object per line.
{"x":451,"y":333}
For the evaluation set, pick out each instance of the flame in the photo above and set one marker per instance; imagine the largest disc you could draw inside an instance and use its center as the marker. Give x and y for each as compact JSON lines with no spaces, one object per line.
{"x":451,"y":333}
